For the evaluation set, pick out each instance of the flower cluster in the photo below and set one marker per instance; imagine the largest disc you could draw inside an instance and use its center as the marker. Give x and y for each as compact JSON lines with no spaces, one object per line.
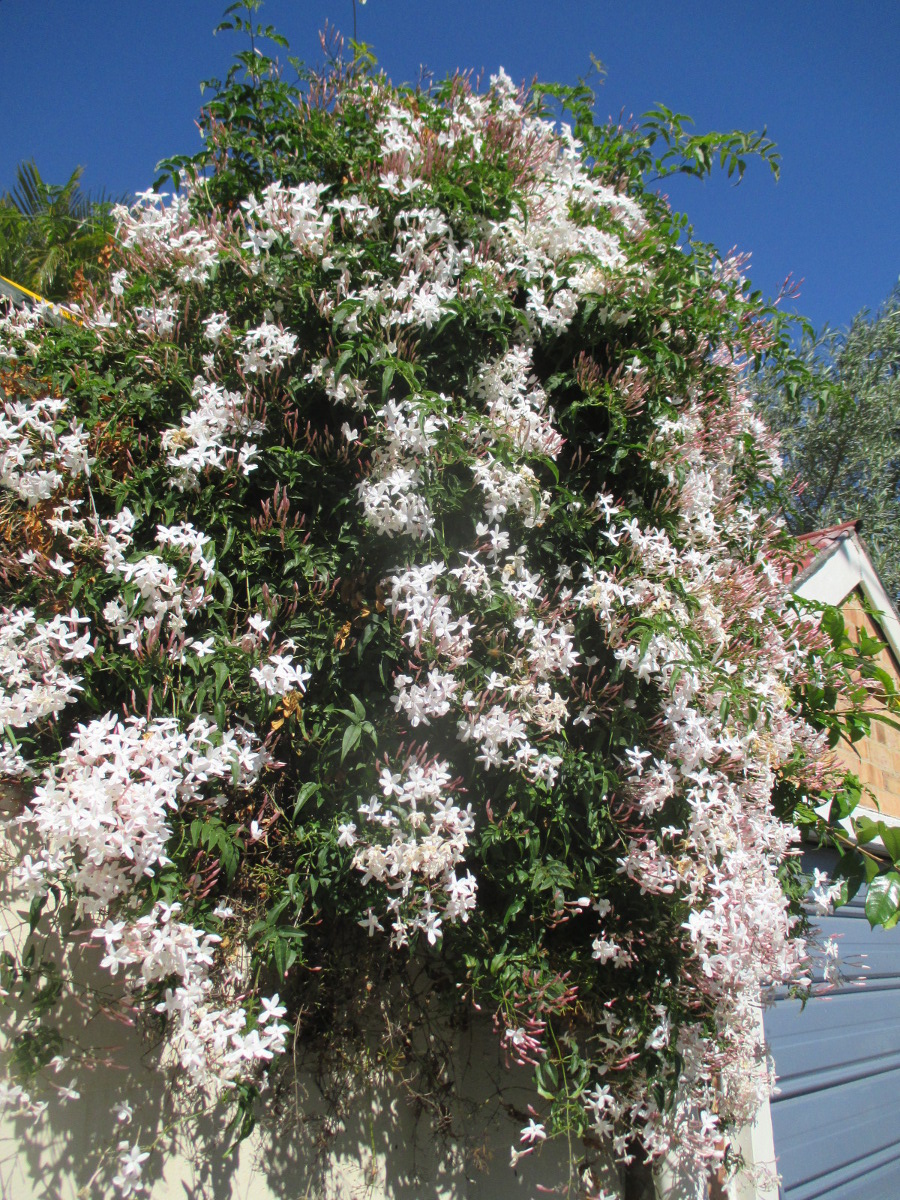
{"x":160,"y":230}
{"x":156,"y":601}
{"x":209,"y":1037}
{"x":34,"y":683}
{"x":428,"y":839}
{"x":102,"y":811}
{"x":391,"y":495}
{"x":293,"y":213}
{"x":200,"y":441}
{"x":37,"y":449}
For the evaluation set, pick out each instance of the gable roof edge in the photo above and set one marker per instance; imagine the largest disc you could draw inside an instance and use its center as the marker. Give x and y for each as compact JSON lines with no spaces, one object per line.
{"x":838,"y":571}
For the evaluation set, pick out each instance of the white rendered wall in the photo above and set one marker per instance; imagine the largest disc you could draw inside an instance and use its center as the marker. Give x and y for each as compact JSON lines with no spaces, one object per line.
{"x":375,"y":1148}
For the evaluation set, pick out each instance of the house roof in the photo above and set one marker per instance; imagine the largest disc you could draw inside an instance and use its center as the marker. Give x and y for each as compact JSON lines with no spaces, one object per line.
{"x":821,"y":540}
{"x":12,"y":291}
{"x":20,"y":295}
{"x":833,"y":563}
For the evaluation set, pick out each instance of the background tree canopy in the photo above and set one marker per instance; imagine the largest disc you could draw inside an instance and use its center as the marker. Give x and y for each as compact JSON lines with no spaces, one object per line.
{"x":54,"y":239}
{"x":835,"y":408}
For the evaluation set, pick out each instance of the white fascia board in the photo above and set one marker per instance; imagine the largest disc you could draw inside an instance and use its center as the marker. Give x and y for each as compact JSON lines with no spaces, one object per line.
{"x":846,"y":567}
{"x":876,"y":845}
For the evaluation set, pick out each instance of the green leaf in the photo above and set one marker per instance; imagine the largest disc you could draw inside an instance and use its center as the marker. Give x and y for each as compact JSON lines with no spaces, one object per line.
{"x":342,"y":361}
{"x":866,"y":829}
{"x":890,"y":837}
{"x":307,"y":790}
{"x":883,"y":900}
{"x":350,"y":741}
{"x":230,"y":857}
{"x":226,"y":588}
{"x":220,"y":670}
{"x":35,"y":909}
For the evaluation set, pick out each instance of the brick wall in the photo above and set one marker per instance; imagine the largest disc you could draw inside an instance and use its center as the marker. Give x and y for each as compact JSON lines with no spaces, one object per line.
{"x":876,"y":758}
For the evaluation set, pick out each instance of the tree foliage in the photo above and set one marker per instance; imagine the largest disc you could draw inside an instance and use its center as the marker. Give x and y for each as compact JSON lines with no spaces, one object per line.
{"x":835,"y":407}
{"x":54,"y":238}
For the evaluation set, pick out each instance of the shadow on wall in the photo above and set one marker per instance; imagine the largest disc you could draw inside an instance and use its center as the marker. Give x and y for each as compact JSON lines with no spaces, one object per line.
{"x":372,"y":1144}
{"x":334,"y":1131}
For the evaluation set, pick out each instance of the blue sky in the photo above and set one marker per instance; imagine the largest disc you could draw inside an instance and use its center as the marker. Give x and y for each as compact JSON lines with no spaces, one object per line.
{"x":113,"y":85}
